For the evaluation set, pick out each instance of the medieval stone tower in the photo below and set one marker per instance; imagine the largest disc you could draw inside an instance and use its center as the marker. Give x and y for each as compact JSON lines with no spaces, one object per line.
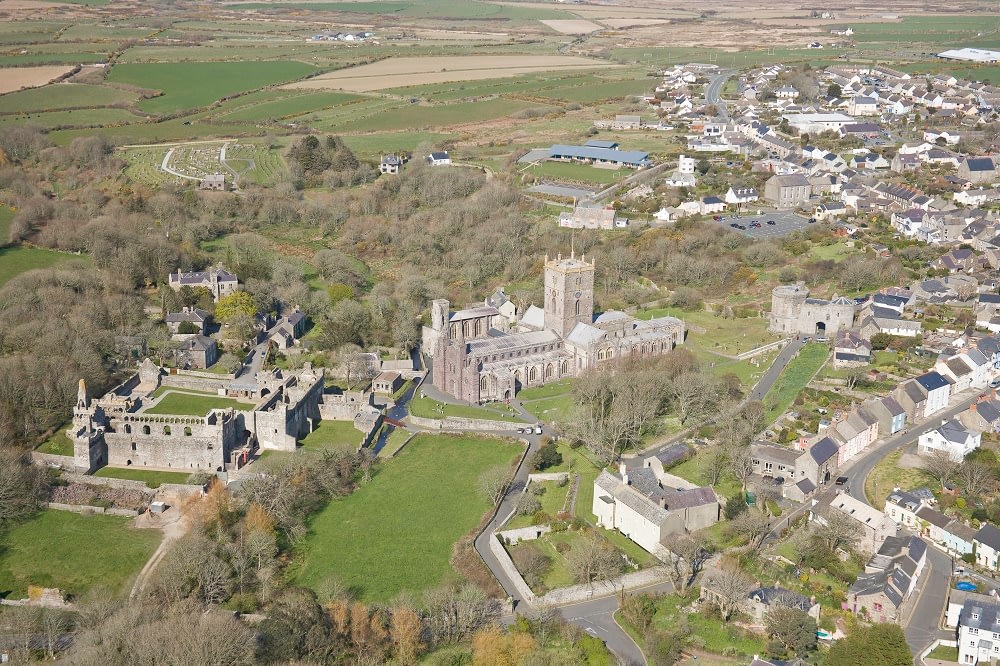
{"x":569,"y":293}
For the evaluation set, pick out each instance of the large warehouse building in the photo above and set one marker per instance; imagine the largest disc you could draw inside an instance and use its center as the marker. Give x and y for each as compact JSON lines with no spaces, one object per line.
{"x":972,"y":55}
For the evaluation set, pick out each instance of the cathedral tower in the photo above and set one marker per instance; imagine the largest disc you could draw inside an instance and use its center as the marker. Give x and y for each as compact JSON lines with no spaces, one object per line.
{"x":569,"y":293}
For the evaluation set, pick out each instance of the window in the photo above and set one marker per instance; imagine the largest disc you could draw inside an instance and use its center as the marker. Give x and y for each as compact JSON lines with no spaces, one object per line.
{"x":972,"y":630}
{"x":877,"y":607}
{"x":577,"y":308}
{"x":975,"y":616}
{"x":145,"y":430}
{"x":133,"y":446}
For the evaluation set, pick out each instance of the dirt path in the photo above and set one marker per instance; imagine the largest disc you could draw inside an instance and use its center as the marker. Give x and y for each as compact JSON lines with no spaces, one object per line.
{"x":173,"y":526}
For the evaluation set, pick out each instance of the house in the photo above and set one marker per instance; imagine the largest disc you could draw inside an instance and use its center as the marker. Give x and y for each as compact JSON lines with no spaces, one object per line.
{"x":821,"y":462}
{"x":592,"y":217}
{"x":641,"y":509}
{"x":439,"y":158}
{"x":765,"y":598}
{"x":215,"y":181}
{"x":196,"y":317}
{"x":390,"y":164}
{"x":741,"y":195}
{"x":217,"y":280}
{"x":874,"y":526}
{"x":387,"y":383}
{"x":862,"y":106}
{"x":789,"y":191}
{"x":952,"y":438}
{"x":890,"y":414}
{"x":710,"y":205}
{"x":890,"y":577}
{"x":296,"y":320}
{"x":902,"y":508}
{"x":606,"y":158}
{"x":853,"y":432}
{"x":829,"y":211}
{"x":859,"y":129}
{"x":979,"y":632}
{"x":197,"y":352}
{"x":902,"y":162}
{"x":978,"y":169}
{"x":983,"y":416}
{"x":786,"y":92}
{"x":987,"y":546}
{"x":953,"y":535}
{"x":626,"y":122}
{"x":958,"y":260}
{"x":938,"y":391}
{"x":850,"y":350}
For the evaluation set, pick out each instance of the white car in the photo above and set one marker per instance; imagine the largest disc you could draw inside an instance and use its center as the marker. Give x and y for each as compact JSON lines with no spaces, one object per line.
{"x":538,"y":430}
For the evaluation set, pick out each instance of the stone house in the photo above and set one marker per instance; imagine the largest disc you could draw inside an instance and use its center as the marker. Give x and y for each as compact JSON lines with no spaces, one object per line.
{"x":978,"y":170}
{"x":387,"y":383}
{"x":641,"y":509}
{"x":789,"y":191}
{"x":875,"y":526}
{"x":215,"y":181}
{"x":197,"y":352}
{"x":194,"y":316}
{"x":890,"y":414}
{"x":952,"y":438}
{"x":890,"y":577}
{"x":983,"y":416}
{"x":217,"y":280}
{"x":765,"y":598}
{"x":850,"y":350}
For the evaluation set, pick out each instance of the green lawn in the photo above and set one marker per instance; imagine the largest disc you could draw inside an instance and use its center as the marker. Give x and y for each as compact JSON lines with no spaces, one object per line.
{"x":340,"y":435}
{"x":187,"y":85}
{"x":289,"y":107}
{"x":152,"y":478}
{"x":794,"y":378}
{"x":74,"y":553}
{"x":550,"y":390}
{"x":887,"y":474}
{"x":552,"y":501}
{"x":58,"y":444}
{"x":581,"y":173}
{"x":559,"y":409}
{"x":429,"y":408}
{"x":727,"y":336}
{"x":835,"y":252}
{"x":190,"y":404}
{"x":17,"y":260}
{"x":694,"y":470}
{"x":63,"y":96}
{"x":716,"y":635}
{"x":391,"y":534}
{"x":396,"y":440}
{"x":944,"y":653}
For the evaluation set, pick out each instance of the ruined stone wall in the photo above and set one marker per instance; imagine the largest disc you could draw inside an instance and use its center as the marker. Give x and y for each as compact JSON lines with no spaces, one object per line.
{"x":171,"y":442}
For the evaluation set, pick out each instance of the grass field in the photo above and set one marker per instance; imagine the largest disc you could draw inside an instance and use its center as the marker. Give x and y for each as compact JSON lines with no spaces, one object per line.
{"x":17,"y":260}
{"x":728,"y":336}
{"x":429,"y":408}
{"x":943,"y":30}
{"x":412,"y":117}
{"x":196,"y":84}
{"x":152,"y":478}
{"x":389,"y":536}
{"x":190,"y":404}
{"x":6,"y":216}
{"x":59,"y":444}
{"x":74,"y":553}
{"x":63,"y":96}
{"x":580,"y":173}
{"x":793,"y":379}
{"x":289,"y":107}
{"x":887,"y":474}
{"x":338,"y":435}
{"x":440,"y":9}
{"x":75,"y":118}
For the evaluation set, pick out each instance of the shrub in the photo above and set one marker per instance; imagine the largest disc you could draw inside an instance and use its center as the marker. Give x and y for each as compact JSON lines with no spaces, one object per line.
{"x":735,"y":505}
{"x":528,"y":505}
{"x":546,"y":456}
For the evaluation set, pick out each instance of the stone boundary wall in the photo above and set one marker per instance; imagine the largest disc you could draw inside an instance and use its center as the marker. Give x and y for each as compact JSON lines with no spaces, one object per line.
{"x":193,"y":383}
{"x":761,"y":350}
{"x":107,"y":481}
{"x":86,"y":508}
{"x":462,"y":423}
{"x":225,"y":376}
{"x":601,"y":588}
{"x":530,"y":533}
{"x":548,"y":476}
{"x":66,"y":462}
{"x":508,"y":567}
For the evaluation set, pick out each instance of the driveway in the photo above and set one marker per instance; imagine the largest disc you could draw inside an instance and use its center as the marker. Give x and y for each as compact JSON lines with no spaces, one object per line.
{"x":784,"y":357}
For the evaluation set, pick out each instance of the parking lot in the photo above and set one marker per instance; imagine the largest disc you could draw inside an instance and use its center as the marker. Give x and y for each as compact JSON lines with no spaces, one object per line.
{"x":785,"y":222}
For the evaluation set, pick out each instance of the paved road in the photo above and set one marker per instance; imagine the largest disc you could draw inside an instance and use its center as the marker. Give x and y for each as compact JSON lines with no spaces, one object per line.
{"x":787,"y":353}
{"x":713,"y":93}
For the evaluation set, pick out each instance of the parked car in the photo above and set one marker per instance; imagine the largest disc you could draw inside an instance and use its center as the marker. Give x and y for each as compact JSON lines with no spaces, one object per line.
{"x":771,"y":223}
{"x":841,"y":481}
{"x":778,"y":480}
{"x":538,"y":429}
{"x":717,"y":218}
{"x":994,"y":383}
{"x":734,"y":225}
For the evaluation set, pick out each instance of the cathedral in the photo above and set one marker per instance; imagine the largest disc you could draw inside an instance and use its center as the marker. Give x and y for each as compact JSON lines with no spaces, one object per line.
{"x":489,"y":353}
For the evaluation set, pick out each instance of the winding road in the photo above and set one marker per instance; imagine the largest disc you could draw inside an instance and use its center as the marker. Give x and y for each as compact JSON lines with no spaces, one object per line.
{"x":713,"y":93}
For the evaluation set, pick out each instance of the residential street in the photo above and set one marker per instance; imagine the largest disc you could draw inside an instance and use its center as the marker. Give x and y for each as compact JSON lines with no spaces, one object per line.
{"x":713,"y":93}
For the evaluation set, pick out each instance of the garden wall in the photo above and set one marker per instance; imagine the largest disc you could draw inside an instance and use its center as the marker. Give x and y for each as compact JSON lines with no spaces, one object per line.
{"x":461,"y":423}
{"x":601,"y":588}
{"x":514,"y":536}
{"x":86,"y":508}
{"x":66,"y":462}
{"x":503,"y":559}
{"x":548,"y":476}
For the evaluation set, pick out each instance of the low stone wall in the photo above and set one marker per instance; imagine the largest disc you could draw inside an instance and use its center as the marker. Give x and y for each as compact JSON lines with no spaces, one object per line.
{"x":204,"y":374}
{"x":548,"y":476}
{"x":86,"y":508}
{"x":508,"y":567}
{"x":194,"y":383}
{"x":763,"y":349}
{"x":66,"y":462}
{"x":461,"y":423}
{"x":180,"y":489}
{"x":565,"y":595}
{"x":106,"y":481}
{"x":515,"y":536}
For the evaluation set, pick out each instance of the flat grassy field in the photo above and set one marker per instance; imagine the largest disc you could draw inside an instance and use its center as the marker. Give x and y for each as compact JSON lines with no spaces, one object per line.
{"x":332,"y":435}
{"x":793,"y":379}
{"x":76,"y":118}
{"x":580,"y":173}
{"x":152,"y":478}
{"x":727,"y":336}
{"x":294,"y":105}
{"x":887,"y":474}
{"x":190,"y":404}
{"x":429,"y":408}
{"x":17,"y":260}
{"x":63,"y":96}
{"x":389,"y":536}
{"x":196,"y":84}
{"x":74,"y":553}
{"x":58,"y":444}
{"x":439,"y":9}
{"x":412,"y":117}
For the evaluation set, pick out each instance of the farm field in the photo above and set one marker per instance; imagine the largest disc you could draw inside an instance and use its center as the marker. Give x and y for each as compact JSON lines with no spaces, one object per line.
{"x":17,"y":260}
{"x":396,"y":72}
{"x":295,"y":105}
{"x":192,"y":85}
{"x":152,"y":478}
{"x":371,"y":146}
{"x":190,"y":404}
{"x":926,"y":29}
{"x":74,"y":118}
{"x":471,"y":9}
{"x":63,"y":96}
{"x":15,"y":78}
{"x":406,"y":118}
{"x":74,"y":553}
{"x":388,"y":535}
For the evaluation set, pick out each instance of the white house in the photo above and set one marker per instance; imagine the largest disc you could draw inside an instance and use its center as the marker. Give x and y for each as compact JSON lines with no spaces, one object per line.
{"x":950,"y":138}
{"x":439,"y":158}
{"x":902,"y":507}
{"x":741,"y":195}
{"x":979,"y":633}
{"x":862,"y":106}
{"x":952,"y":438}
{"x":938,"y":391}
{"x":710,"y":205}
{"x":987,"y":546}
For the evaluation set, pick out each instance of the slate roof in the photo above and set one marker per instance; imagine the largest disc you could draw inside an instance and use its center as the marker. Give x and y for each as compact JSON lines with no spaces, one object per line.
{"x":931,"y":381}
{"x":686,"y":499}
{"x":989,"y":536}
{"x":987,"y":615}
{"x":193,"y":315}
{"x":823,"y":450}
{"x":979,"y":164}
{"x":604,"y":154}
{"x":782,"y":597}
{"x":904,"y":499}
{"x":806,"y":486}
{"x":673,"y":454}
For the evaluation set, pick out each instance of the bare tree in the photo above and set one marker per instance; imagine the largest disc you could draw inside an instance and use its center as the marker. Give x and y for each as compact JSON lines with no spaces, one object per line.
{"x":840,"y":531}
{"x":741,"y":463}
{"x":592,"y":558}
{"x":940,"y":465}
{"x":493,"y":483}
{"x":691,"y":393}
{"x":975,"y":477}
{"x":716,"y":460}
{"x":753,"y":525}
{"x":730,"y":590}
{"x":689,"y":557}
